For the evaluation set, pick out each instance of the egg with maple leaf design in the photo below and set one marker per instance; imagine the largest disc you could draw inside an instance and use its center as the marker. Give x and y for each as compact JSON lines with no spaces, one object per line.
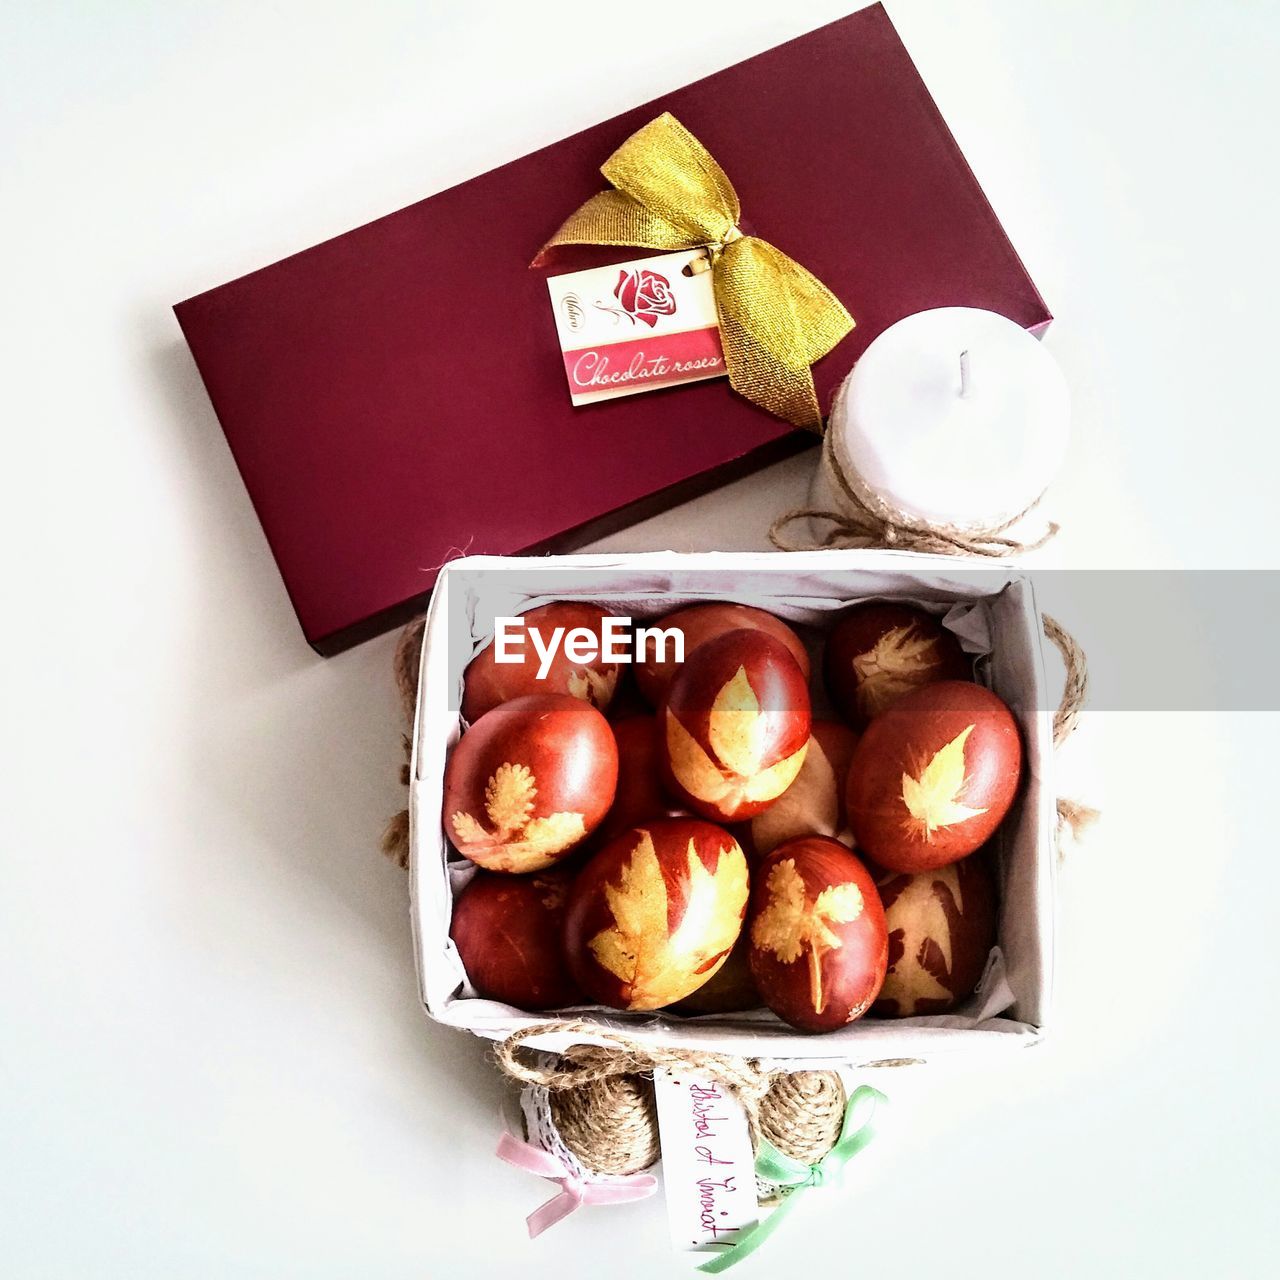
{"x":933,"y":776}
{"x":654,"y":914}
{"x":735,"y":725}
{"x":529,"y":781}
{"x":819,"y":943}
{"x":878,"y":652}
{"x":639,"y":796}
{"x":699,"y":623}
{"x":507,"y":930}
{"x":814,"y":804}
{"x":942,"y":926}
{"x":487,"y":683}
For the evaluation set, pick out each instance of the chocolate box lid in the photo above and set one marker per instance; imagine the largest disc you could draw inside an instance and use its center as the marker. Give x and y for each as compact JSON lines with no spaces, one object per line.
{"x":397,"y":394}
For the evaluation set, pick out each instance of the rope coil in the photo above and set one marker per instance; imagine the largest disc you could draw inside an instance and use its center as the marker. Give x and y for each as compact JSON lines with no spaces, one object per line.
{"x":602,"y":1096}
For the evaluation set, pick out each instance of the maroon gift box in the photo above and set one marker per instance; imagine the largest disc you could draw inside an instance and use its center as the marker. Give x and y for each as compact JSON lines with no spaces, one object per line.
{"x":376,"y":430}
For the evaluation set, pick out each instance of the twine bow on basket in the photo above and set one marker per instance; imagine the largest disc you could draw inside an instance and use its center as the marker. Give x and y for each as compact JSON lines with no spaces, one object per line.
{"x":776,"y":318}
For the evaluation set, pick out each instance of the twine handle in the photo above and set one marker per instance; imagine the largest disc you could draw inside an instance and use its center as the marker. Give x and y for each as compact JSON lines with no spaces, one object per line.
{"x":1073,"y":816}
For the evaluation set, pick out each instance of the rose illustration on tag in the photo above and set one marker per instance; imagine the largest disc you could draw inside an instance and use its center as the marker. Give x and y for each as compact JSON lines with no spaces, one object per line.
{"x":643,"y":296}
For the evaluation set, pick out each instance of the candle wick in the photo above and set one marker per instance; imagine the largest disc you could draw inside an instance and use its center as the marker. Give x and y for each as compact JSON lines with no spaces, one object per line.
{"x":964,"y":374}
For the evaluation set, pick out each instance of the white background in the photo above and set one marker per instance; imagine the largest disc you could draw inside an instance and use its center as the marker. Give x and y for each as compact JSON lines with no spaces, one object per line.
{"x":212,"y":1061}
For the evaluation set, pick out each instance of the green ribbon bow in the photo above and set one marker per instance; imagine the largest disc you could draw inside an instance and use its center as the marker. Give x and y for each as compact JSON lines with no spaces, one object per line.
{"x":855,"y":1133}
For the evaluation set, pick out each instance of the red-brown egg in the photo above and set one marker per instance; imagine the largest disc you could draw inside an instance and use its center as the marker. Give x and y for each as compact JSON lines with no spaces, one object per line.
{"x":507,"y":930}
{"x":654,"y":914}
{"x":819,"y":946}
{"x":942,"y":926}
{"x":639,"y":796}
{"x":878,"y":652}
{"x":488,"y":683}
{"x":813,"y":805}
{"x":529,"y":781}
{"x":699,"y":623}
{"x":933,"y":776}
{"x":731,"y":989}
{"x":735,"y":725}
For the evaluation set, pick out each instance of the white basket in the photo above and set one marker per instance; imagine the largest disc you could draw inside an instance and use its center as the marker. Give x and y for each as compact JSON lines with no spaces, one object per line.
{"x":1011,"y":1008}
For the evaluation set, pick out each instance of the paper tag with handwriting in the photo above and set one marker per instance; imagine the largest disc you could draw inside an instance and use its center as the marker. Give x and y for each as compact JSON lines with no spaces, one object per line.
{"x":708,"y":1167}
{"x":637,"y":326}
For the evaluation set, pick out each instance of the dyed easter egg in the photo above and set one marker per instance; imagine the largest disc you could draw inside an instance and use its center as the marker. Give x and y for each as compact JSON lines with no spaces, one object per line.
{"x":814,"y":804}
{"x":942,"y":926}
{"x":529,"y":781}
{"x":639,"y":796}
{"x":819,"y":945}
{"x":654,"y":914}
{"x":507,"y":930}
{"x":878,"y":652}
{"x":932,"y":777}
{"x":488,"y":683}
{"x":699,"y":623}
{"x":735,"y":724}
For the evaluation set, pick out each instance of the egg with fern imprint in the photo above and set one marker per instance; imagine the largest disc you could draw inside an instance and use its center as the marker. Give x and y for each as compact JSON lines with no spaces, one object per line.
{"x":529,"y":781}
{"x":878,"y":652}
{"x":819,"y":945}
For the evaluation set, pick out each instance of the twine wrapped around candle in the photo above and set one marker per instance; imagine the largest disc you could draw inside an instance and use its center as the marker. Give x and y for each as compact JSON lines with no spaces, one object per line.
{"x":865,"y":519}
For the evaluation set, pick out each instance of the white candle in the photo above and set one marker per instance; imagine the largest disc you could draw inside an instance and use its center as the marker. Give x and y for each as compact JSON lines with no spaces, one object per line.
{"x":954,"y":417}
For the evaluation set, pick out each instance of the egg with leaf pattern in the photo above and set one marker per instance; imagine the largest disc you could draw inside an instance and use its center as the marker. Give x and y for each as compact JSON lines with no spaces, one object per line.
{"x":819,"y":945}
{"x":735,"y":725}
{"x":942,"y":926}
{"x":933,"y":776}
{"x":878,"y":652}
{"x":654,"y":914}
{"x":529,"y":781}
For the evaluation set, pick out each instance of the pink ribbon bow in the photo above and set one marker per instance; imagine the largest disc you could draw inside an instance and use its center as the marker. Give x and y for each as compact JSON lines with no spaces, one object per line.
{"x":574,"y":1191}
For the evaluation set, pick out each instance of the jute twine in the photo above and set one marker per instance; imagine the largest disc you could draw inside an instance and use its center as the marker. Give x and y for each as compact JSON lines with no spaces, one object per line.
{"x":867,"y":520}
{"x":1074,"y":818}
{"x":603,"y":1106}
{"x":404,"y":667}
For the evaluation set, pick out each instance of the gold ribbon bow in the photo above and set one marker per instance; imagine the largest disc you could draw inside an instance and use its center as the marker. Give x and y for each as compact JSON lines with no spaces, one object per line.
{"x":776,"y":318}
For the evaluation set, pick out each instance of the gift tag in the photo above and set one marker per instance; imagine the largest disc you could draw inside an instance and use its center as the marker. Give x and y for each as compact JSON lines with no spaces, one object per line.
{"x":708,"y":1166}
{"x":637,"y":326}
